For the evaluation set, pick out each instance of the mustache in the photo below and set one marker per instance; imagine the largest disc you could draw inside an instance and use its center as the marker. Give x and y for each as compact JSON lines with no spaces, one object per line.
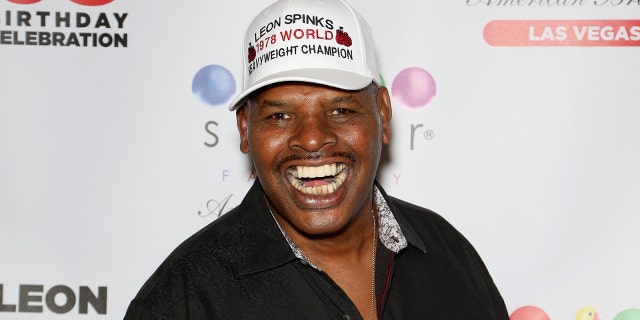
{"x":313,"y":156}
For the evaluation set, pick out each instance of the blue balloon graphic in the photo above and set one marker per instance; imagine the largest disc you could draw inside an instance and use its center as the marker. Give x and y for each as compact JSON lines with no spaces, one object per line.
{"x":213,"y":84}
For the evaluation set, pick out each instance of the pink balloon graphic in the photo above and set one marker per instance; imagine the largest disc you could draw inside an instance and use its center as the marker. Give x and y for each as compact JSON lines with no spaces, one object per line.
{"x":529,"y":313}
{"x":414,"y":87}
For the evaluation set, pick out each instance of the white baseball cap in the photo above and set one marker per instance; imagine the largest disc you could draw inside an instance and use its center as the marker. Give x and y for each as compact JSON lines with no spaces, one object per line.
{"x":318,"y":41}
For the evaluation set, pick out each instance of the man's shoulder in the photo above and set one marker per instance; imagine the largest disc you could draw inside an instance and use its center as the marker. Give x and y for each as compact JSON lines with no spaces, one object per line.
{"x":203,"y":249}
{"x":424,"y":224}
{"x":415,"y":214}
{"x":214,"y":235}
{"x":225,"y":230}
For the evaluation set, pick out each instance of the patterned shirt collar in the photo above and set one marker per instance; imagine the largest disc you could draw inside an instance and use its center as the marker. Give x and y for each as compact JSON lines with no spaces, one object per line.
{"x":389,"y":231}
{"x":388,"y":228}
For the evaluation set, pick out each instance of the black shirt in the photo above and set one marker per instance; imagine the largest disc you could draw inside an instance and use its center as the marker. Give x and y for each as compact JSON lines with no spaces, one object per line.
{"x":242,"y":267}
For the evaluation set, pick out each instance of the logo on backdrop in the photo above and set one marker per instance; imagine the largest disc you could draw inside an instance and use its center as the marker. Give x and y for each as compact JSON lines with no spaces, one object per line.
{"x":585,"y":313}
{"x":25,"y":27}
{"x":59,"y":299}
{"x":584,"y":33}
{"x":82,"y":2}
{"x":552,"y":3}
{"x":559,"y":32}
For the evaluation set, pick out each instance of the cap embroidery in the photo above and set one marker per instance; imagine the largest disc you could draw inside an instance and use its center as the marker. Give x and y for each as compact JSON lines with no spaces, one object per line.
{"x":252,"y":52}
{"x":343,"y":38}
{"x":280,"y":37}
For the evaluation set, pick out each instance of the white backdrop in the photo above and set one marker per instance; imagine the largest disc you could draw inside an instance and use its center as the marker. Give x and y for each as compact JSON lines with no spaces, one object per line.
{"x":109,"y":159}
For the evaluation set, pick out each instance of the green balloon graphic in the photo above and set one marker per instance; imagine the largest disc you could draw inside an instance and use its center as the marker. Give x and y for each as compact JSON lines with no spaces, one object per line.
{"x":629,"y":314}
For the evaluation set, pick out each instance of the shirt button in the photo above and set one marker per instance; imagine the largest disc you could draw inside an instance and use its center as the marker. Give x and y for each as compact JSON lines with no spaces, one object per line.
{"x":346,"y":317}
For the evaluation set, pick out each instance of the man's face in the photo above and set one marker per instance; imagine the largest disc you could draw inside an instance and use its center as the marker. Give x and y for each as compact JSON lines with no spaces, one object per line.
{"x":316,"y":151}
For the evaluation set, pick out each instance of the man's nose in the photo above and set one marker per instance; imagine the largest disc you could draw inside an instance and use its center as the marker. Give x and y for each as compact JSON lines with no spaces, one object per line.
{"x":312,"y":133}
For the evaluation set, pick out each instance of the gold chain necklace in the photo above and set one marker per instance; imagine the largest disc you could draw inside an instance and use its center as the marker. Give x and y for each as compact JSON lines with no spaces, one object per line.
{"x":373,"y":267}
{"x":373,"y":259}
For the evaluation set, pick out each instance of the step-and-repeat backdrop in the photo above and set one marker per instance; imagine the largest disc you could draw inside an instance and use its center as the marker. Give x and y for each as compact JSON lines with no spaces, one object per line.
{"x":517,"y":120}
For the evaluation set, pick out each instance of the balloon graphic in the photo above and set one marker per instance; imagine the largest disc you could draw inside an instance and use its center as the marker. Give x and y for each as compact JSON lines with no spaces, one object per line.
{"x":629,"y":314}
{"x":415,"y":87}
{"x":529,"y":313}
{"x":92,"y":2}
{"x":213,"y":84}
{"x":587,"y":313}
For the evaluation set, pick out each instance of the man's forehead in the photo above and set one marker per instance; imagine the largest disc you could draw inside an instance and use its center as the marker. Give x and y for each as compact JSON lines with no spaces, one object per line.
{"x":279,"y":94}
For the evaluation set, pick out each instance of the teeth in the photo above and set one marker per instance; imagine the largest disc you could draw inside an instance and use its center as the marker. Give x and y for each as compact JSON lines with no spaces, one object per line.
{"x":326,"y":170}
{"x":332,"y":174}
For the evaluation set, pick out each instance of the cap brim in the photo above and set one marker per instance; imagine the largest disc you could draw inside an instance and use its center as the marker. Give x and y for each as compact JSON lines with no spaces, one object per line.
{"x":340,"y":79}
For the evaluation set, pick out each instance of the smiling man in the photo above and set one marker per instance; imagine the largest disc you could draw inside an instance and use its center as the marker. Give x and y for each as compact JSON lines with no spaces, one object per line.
{"x":316,"y":237}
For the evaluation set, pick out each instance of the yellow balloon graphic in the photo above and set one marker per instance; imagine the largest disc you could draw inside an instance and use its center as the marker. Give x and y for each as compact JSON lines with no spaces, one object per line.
{"x":587,"y":313}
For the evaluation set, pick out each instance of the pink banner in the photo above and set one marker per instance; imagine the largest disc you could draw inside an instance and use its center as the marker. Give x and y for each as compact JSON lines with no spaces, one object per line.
{"x":563,"y":33}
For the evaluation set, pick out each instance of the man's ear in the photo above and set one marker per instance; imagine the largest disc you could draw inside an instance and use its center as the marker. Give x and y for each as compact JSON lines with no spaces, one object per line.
{"x":243,"y":125}
{"x":384,"y":104}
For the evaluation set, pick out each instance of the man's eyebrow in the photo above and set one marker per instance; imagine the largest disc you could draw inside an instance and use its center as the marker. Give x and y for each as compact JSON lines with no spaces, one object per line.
{"x":344,"y":99}
{"x":270,"y":103}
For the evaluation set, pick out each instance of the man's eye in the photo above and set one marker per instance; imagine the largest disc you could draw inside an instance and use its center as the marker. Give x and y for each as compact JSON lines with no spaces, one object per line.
{"x":279,"y":116}
{"x":340,"y":111}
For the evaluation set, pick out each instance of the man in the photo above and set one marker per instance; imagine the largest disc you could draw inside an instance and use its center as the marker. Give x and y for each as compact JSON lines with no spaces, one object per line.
{"x":316,"y":237}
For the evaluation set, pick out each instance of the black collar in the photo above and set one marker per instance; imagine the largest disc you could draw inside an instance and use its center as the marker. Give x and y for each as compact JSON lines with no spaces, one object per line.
{"x":271,"y":250}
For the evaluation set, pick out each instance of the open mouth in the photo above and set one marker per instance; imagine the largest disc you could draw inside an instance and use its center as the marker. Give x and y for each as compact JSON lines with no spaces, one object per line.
{"x":320,"y":180}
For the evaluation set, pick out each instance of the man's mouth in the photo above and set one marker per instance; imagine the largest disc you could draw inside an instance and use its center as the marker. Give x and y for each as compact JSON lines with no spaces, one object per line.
{"x":320,"y":180}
